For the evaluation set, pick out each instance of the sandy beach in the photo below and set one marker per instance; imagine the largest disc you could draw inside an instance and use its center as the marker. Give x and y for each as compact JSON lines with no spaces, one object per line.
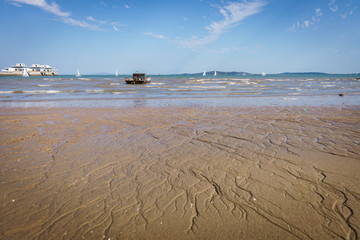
{"x":180,"y":173}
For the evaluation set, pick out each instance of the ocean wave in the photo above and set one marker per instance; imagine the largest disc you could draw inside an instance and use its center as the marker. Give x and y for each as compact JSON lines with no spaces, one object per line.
{"x":296,"y":89}
{"x":96,"y":90}
{"x":292,"y":99}
{"x":157,"y":83}
{"x":30,"y":91}
{"x":124,"y":92}
{"x":202,"y":87}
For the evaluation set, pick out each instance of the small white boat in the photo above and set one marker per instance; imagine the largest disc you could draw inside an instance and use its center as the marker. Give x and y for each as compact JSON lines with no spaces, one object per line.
{"x":215,"y":74}
{"x":78,"y":73}
{"x":204,"y":73}
{"x":116,"y":73}
{"x":263,"y":74}
{"x":25,"y":73}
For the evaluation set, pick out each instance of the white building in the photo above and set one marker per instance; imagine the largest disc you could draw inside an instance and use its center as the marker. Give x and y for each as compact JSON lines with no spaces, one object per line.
{"x":33,"y":70}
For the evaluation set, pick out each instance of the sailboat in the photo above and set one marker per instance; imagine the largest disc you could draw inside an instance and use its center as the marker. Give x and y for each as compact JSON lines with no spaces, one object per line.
{"x":215,"y":74}
{"x":25,"y":73}
{"x":116,"y":73}
{"x":204,"y":73}
{"x":263,"y":74}
{"x":78,"y":73}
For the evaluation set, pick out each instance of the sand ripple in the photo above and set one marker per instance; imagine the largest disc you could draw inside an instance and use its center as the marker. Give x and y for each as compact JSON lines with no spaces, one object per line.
{"x":184,"y":173}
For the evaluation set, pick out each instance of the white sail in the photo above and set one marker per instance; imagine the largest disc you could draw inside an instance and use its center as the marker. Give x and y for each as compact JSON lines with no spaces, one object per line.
{"x":215,"y":74}
{"x":78,"y":73}
{"x":116,"y":73}
{"x":25,"y":73}
{"x":204,"y":73}
{"x":263,"y":74}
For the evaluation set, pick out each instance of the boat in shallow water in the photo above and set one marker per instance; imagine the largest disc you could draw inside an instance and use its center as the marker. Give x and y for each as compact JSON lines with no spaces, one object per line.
{"x":138,"y":78}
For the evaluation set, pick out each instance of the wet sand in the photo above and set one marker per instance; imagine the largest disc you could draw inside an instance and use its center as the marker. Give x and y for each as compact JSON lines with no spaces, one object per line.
{"x":180,"y":173}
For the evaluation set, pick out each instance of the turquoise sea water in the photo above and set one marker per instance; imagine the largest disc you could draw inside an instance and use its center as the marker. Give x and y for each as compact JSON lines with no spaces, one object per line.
{"x":102,"y":91}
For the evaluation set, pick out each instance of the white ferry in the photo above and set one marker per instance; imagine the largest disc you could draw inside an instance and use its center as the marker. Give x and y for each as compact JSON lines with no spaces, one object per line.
{"x":20,"y":69}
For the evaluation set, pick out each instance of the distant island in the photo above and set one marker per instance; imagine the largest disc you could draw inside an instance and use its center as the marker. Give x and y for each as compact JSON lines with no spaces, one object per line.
{"x":305,"y":73}
{"x":231,"y":73}
{"x":234,"y":73}
{"x":211,"y":73}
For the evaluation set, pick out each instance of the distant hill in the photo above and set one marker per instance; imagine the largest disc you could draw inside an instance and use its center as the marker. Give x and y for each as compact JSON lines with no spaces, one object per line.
{"x":211,"y":73}
{"x":304,"y":73}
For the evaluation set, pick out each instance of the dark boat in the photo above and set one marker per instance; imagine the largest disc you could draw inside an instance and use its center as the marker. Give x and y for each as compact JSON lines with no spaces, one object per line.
{"x":138,"y":78}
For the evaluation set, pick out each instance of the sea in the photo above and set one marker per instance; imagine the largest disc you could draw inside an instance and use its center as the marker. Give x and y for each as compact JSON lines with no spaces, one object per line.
{"x":181,"y":90}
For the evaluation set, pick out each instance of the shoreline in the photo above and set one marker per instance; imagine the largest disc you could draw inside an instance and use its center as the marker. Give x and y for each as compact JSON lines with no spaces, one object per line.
{"x":180,"y":172}
{"x":334,"y":100}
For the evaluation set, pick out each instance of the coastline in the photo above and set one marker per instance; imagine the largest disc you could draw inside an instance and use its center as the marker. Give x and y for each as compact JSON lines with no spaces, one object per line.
{"x":188,"y":172}
{"x":332,"y":100}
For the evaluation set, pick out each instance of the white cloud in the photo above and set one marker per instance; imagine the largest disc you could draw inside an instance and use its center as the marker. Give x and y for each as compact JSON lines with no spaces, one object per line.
{"x":307,"y":22}
{"x":333,"y":6}
{"x":91,"y":19}
{"x":52,"y":8}
{"x":346,"y":9}
{"x":79,"y":23}
{"x":233,"y":13}
{"x":318,"y":12}
{"x":348,"y":12}
{"x":126,"y":6}
{"x":149,"y":33}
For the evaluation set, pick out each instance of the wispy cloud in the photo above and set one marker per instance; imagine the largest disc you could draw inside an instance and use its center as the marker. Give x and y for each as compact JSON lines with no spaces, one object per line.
{"x":233,"y":13}
{"x":149,"y":33}
{"x":79,"y":23}
{"x":52,"y":8}
{"x":307,"y":22}
{"x":346,"y":9}
{"x":343,"y":8}
{"x":348,"y":12}
{"x":333,"y":6}
{"x":90,"y":22}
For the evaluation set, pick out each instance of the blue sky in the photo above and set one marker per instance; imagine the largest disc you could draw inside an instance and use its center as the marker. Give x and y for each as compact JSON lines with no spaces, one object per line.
{"x":173,"y":36}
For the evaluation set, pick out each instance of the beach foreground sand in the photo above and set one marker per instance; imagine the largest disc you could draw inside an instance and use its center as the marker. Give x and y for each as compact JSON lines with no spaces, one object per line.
{"x":180,"y":173}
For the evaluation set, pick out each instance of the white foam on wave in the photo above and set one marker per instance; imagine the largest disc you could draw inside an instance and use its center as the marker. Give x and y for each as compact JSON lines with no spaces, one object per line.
{"x":296,"y":89}
{"x":291,"y":99}
{"x":123,"y":92}
{"x":44,"y":85}
{"x":95,"y":90}
{"x":115,"y":83}
{"x":178,"y":89}
{"x":157,"y":83}
{"x":329,"y":85}
{"x":201,"y":87}
{"x":42,"y":91}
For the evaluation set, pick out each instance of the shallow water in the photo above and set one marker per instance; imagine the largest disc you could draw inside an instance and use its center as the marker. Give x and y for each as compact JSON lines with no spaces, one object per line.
{"x":180,"y":90}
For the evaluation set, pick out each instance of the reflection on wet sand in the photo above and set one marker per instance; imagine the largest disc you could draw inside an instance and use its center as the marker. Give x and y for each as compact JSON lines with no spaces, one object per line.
{"x":180,"y":173}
